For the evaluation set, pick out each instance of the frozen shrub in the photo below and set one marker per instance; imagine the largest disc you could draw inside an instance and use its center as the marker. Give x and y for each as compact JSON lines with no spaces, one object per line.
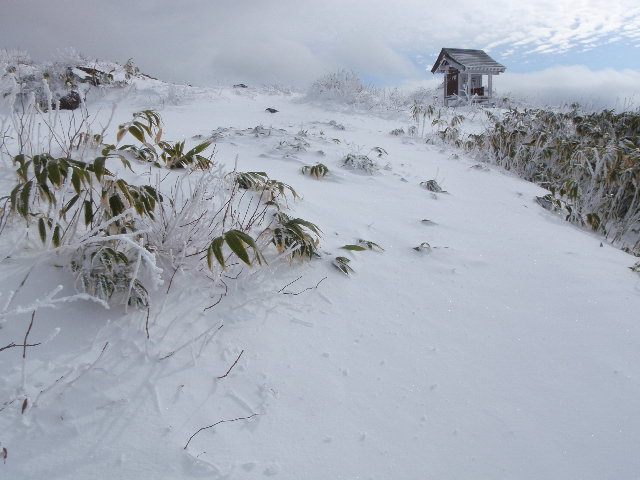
{"x":360,"y":163}
{"x":344,"y":86}
{"x":590,"y":162}
{"x":432,"y":186}
{"x":317,"y":171}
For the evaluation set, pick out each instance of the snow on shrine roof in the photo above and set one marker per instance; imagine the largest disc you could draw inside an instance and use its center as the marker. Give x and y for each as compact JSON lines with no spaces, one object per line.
{"x":466,"y":60}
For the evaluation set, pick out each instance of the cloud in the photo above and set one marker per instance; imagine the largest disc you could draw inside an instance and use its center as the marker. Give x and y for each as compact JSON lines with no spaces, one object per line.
{"x":608,"y":88}
{"x":294,"y":41}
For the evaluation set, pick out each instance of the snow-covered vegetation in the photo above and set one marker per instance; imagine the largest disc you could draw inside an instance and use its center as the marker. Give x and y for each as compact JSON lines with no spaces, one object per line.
{"x":350,"y":282}
{"x":590,"y":163}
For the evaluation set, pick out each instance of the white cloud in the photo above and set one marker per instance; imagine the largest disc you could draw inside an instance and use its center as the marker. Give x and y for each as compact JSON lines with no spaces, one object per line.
{"x":606,"y":88}
{"x":294,"y":41}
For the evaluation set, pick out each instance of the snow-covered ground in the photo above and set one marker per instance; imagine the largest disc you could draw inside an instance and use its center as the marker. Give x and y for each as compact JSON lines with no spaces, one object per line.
{"x":509,"y":348}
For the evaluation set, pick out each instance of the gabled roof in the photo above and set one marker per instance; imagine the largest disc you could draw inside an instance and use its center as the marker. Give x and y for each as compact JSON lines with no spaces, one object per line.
{"x":466,"y":60}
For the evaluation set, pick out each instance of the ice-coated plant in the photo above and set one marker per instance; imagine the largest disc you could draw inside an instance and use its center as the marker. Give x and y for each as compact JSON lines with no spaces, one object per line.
{"x":316,"y":171}
{"x":432,"y":185}
{"x":343,"y":86}
{"x":590,"y":162}
{"x":120,"y":240}
{"x":296,"y":237}
{"x":423,"y":247}
{"x":240,"y":243}
{"x":342,"y":264}
{"x":360,"y":163}
{"x":274,"y":190}
{"x":363,"y":245}
{"x":146,"y":127}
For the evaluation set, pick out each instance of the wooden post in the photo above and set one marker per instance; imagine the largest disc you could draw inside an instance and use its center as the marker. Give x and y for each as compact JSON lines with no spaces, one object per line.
{"x":444,"y":86}
{"x":490,"y":86}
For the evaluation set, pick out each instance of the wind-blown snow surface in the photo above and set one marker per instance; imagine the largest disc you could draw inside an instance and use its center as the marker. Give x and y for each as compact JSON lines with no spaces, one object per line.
{"x":510,"y":349}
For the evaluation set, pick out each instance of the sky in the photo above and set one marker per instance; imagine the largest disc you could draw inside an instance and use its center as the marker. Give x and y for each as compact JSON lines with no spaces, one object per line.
{"x":583,"y":48}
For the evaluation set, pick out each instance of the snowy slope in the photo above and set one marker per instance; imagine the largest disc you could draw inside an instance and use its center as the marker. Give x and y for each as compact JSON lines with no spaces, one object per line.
{"x":509,"y":349}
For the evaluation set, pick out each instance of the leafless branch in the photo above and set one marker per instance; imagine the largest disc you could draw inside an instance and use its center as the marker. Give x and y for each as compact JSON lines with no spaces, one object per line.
{"x":231,"y":367}
{"x":301,"y":291}
{"x":12,"y":345}
{"x":146,"y":323}
{"x":218,"y":423}
{"x":26,"y":335}
{"x":170,"y":354}
{"x":217,"y":302}
{"x":171,"y":280}
{"x":290,"y":283}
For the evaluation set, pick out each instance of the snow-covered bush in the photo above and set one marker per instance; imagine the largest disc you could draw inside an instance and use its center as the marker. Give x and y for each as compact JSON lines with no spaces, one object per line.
{"x":316,"y":171}
{"x":360,"y":163}
{"x":120,"y":239}
{"x":344,"y":86}
{"x":432,"y":185}
{"x":60,"y":82}
{"x":589,"y":161}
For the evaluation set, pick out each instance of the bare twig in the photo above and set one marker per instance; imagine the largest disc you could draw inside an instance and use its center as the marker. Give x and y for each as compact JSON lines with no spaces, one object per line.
{"x":290,"y":283}
{"x":231,"y":367}
{"x":146,"y":323}
{"x":217,"y":302}
{"x":301,"y":291}
{"x":218,"y":423}
{"x":12,"y":345}
{"x":170,"y":354}
{"x":24,"y":344}
{"x":171,"y":280}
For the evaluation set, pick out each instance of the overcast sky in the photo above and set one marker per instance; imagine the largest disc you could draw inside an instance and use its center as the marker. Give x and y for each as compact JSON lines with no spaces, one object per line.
{"x":388,"y":43}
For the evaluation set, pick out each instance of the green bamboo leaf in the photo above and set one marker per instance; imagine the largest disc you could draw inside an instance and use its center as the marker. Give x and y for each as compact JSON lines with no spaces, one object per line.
{"x":88,"y":212}
{"x":356,"y":248}
{"x":13,"y":197}
{"x":252,"y":243}
{"x":56,"y":236}
{"x":342,"y":264}
{"x":116,"y":205}
{"x":42,"y":229}
{"x":75,"y":180}
{"x":126,"y":163}
{"x":216,"y":249}
{"x":137,"y":132}
{"x":25,"y":196}
{"x":98,"y":167}
{"x":314,"y":228}
{"x":126,"y":190}
{"x":370,"y":245}
{"x":53,"y":171}
{"x":69,"y":204}
{"x":45,"y":192}
{"x":139,"y":207}
{"x":198,"y":149}
{"x":236,"y":245}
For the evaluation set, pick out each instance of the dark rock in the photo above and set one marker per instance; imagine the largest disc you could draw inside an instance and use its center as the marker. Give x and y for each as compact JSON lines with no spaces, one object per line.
{"x":71,"y":101}
{"x":271,"y":110}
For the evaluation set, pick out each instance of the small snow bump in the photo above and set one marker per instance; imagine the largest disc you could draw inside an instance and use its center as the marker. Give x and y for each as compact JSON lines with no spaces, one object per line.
{"x":272,"y":470}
